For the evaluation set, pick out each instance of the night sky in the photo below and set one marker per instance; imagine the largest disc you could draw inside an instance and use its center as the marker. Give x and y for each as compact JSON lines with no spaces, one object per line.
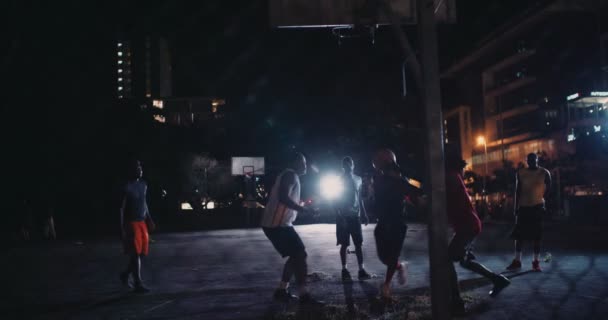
{"x":284,"y":88}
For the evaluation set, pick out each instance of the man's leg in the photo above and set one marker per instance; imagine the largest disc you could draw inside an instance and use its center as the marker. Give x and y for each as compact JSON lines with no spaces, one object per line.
{"x":457,"y":306}
{"x":516,"y":263}
{"x":300,"y":268}
{"x":136,"y":269}
{"x":535,"y":261}
{"x":282,"y":293}
{"x":359,"y":253}
{"x":343,"y":256}
{"x":287,"y":274}
{"x":124,"y":276}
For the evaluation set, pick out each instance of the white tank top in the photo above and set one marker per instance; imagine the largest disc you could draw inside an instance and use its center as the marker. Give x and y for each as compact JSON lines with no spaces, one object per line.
{"x":532,"y":186}
{"x":276,"y":214}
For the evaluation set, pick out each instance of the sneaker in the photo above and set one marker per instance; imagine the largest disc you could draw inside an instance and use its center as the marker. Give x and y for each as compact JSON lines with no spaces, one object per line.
{"x":307,"y":299}
{"x":139,"y":288}
{"x":124,"y":279}
{"x":500,"y":283}
{"x":346,"y":275}
{"x":515,"y":265}
{"x":283,"y":295}
{"x":536,"y":266}
{"x":458,"y":308}
{"x":402,"y":273}
{"x":363,"y":275}
{"x":470,"y":256}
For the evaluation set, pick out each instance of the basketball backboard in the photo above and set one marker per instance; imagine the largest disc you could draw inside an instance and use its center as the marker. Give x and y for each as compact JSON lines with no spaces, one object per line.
{"x":247,"y":166}
{"x":334,"y":13}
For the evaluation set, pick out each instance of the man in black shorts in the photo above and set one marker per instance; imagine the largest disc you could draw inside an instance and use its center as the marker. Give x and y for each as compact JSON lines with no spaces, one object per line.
{"x":466,"y":224}
{"x":391,"y":189}
{"x":277,"y":222}
{"x":349,"y":214}
{"x":532,"y":186}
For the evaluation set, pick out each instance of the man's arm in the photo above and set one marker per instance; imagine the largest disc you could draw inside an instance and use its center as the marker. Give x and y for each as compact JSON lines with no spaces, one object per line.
{"x":517,"y":192}
{"x":149,"y":221}
{"x":287,"y":182}
{"x":547,"y":183}
{"x":123,"y":204}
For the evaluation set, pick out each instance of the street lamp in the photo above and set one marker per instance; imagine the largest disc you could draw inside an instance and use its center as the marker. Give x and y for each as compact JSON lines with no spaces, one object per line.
{"x":481,"y":140}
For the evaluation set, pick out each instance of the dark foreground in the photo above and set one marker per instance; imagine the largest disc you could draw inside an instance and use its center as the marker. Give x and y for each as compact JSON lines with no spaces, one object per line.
{"x":231,"y":274}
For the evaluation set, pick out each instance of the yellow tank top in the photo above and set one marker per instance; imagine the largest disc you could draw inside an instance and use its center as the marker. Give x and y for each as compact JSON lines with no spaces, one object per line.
{"x":532,"y":186}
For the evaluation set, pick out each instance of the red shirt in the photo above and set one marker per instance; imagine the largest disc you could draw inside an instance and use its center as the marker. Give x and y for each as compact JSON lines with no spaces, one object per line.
{"x":461,"y":212}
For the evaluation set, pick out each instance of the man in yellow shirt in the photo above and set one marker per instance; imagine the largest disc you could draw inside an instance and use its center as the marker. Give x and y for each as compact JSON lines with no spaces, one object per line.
{"x":532,"y":186}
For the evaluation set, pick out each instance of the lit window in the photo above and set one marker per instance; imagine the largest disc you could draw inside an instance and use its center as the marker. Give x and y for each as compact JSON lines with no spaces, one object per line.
{"x":571,"y":137}
{"x":120,"y":53}
{"x":157,"y":104}
{"x":119,"y":70}
{"x":119,"y":44}
{"x":597,"y":128}
{"x":159,"y":118}
{"x":119,"y":88}
{"x":120,"y":97}
{"x":119,"y":61}
{"x":548,"y":123}
{"x":119,"y":79}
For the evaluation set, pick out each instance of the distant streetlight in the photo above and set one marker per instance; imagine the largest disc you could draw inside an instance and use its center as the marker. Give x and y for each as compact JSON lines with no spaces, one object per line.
{"x":481,"y":140}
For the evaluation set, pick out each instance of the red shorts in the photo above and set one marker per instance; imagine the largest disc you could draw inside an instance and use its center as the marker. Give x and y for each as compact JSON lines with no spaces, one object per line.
{"x":137,"y":238}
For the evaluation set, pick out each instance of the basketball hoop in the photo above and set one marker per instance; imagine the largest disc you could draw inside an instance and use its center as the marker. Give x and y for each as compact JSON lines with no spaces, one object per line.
{"x":355,"y":32}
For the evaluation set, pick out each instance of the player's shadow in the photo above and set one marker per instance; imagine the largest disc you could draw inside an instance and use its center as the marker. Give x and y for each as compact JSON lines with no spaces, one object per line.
{"x":347,"y":285}
{"x":512,"y":275}
{"x":376,"y":306}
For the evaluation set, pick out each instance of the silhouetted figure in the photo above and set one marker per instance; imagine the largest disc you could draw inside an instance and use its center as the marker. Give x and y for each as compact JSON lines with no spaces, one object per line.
{"x":135,"y":220}
{"x":349,"y":214}
{"x":390,"y":190}
{"x":48,"y":227}
{"x":532,"y":186}
{"x":466,"y":225}
{"x":277,"y":222}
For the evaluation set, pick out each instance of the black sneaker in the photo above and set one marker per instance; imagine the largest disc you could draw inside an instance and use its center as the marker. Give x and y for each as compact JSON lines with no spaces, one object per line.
{"x":363,"y":275}
{"x":283,"y":295}
{"x":346,"y":275}
{"x":139,"y":288}
{"x":500,"y":283}
{"x":307,"y":299}
{"x":124,"y":279}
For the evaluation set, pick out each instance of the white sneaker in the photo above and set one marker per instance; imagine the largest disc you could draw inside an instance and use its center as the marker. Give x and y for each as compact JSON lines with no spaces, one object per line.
{"x":402,"y":273}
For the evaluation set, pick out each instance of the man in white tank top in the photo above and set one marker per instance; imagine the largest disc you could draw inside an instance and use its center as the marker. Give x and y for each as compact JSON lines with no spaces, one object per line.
{"x":532,"y":186}
{"x":277,"y":222}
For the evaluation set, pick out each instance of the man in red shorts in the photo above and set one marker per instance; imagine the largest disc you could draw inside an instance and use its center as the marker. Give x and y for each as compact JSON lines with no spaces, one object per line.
{"x":134,"y":221}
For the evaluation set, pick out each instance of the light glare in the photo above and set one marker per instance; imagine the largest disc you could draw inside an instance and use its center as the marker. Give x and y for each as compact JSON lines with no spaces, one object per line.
{"x":331,"y":186}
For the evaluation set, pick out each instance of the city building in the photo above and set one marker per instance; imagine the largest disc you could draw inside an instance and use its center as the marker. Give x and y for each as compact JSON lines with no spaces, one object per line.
{"x":143,"y":69}
{"x":187,"y":111}
{"x":519,"y":84}
{"x":458,"y":131}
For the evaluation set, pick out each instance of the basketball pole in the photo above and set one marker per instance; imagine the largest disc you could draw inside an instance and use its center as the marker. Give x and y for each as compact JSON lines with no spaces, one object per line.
{"x":426,"y":78}
{"x":438,"y":240}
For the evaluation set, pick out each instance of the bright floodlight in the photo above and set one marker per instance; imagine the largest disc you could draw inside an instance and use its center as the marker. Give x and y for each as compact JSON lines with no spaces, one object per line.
{"x":331,"y":186}
{"x":210,"y":205}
